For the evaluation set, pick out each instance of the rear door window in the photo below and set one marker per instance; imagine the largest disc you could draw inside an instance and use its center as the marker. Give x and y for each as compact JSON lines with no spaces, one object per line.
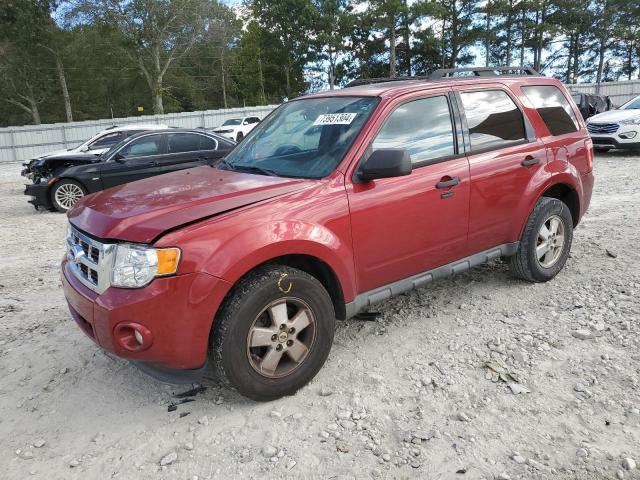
{"x":553,"y":107}
{"x":208,"y":143}
{"x":183,"y":142}
{"x":494,"y":120}
{"x":422,"y":127}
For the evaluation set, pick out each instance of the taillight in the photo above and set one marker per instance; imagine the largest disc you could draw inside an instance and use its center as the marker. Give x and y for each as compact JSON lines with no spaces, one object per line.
{"x":588,"y":144}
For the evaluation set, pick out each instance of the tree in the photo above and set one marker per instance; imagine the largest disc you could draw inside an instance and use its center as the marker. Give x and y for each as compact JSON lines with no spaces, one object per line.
{"x":457,"y":28}
{"x":155,"y":33}
{"x":331,"y":24}
{"x":290,"y":24}
{"x":23,"y":64}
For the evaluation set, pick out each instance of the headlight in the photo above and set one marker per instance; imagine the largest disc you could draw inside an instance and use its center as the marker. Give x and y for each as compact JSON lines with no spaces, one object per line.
{"x":630,"y":121}
{"x":135,"y":265}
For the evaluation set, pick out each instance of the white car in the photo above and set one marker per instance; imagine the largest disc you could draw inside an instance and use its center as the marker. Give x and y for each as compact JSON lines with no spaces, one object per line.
{"x":237,"y":128}
{"x":616,"y":128}
{"x":106,"y":139}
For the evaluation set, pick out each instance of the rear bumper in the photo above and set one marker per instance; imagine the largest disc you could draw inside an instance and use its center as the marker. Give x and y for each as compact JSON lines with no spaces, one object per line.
{"x":176,"y":314}
{"x":39,"y":194}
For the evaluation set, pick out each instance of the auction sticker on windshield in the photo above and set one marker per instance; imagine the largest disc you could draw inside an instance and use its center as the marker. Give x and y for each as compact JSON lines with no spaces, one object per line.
{"x":335,"y":119}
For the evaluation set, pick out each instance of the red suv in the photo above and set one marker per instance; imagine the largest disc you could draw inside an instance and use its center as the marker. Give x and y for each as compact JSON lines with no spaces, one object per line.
{"x":334,"y":202}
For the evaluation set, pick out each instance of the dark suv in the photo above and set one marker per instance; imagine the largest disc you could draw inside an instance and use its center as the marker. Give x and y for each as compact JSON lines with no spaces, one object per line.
{"x":334,"y":202}
{"x":59,"y":181}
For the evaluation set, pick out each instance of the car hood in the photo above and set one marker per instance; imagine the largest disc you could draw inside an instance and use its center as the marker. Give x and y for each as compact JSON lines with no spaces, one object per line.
{"x":143,"y":210}
{"x":614,"y":116}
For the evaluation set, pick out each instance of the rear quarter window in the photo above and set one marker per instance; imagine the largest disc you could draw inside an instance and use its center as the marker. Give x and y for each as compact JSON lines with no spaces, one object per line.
{"x":553,"y":107}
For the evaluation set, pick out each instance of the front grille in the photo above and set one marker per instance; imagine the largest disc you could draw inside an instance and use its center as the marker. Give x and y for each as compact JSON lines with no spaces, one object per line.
{"x":89,"y":260}
{"x":606,"y":128}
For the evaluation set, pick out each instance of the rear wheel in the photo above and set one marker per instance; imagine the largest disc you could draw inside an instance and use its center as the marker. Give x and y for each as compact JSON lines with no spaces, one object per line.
{"x":66,"y":193}
{"x":545,"y":243}
{"x":273,"y":333}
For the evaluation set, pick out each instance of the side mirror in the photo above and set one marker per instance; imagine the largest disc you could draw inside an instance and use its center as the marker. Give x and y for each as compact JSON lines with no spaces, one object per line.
{"x":118,"y":157}
{"x":385,"y":163}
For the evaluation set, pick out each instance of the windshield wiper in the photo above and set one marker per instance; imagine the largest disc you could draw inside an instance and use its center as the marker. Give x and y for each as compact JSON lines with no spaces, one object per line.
{"x":254,"y":169}
{"x":222,"y":162}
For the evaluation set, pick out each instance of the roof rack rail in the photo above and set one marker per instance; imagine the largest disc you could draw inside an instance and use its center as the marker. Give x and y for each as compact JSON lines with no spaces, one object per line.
{"x":482,"y":71}
{"x":367,"y":81}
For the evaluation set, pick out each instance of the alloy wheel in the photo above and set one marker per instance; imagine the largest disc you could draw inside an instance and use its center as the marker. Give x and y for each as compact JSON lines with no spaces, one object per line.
{"x":281,"y":337}
{"x":68,"y":194}
{"x":550,"y":243}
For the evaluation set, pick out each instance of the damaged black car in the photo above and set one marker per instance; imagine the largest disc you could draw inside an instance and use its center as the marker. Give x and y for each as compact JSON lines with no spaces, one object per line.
{"x":59,"y":181}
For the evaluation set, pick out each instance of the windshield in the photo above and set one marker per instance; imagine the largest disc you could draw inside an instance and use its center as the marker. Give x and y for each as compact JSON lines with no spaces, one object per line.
{"x":233,"y":121}
{"x":303,"y":138}
{"x":632,"y":104}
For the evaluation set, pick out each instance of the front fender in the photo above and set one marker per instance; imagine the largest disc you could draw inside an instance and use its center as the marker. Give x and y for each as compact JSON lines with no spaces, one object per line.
{"x":230,"y":262}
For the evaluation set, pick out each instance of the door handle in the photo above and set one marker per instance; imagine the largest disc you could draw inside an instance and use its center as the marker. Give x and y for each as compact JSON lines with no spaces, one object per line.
{"x":153,"y":164}
{"x":529,"y":160}
{"x":448,"y":183}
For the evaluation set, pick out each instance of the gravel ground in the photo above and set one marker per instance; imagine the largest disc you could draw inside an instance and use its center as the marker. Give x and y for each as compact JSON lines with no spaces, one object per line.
{"x":479,"y":376}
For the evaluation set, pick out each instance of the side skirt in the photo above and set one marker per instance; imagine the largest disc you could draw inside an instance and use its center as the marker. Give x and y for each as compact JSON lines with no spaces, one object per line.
{"x":365,"y":299}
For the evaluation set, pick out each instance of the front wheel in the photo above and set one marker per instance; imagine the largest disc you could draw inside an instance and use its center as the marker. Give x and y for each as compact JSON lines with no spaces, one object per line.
{"x":545,"y":243}
{"x":273,"y":333}
{"x":66,"y":193}
{"x":239,"y":137}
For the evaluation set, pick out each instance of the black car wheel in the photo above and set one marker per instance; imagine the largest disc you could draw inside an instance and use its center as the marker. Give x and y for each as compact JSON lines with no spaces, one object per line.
{"x":545,"y":243}
{"x":273,"y":333}
{"x":239,"y":137}
{"x":66,"y":193}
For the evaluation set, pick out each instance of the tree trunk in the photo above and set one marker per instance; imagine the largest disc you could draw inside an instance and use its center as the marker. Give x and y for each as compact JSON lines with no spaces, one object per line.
{"x":287,"y":74}
{"x":576,"y":59}
{"x":261,"y":78}
{"x":224,"y":80}
{"x":392,"y":46}
{"x":509,"y":27}
{"x":601,"y":51}
{"x":487,"y":33}
{"x":454,"y":38}
{"x":407,"y":40}
{"x":569,"y":59}
{"x":523,"y":27}
{"x":332,"y":69}
{"x":65,"y":92}
{"x":158,"y":107}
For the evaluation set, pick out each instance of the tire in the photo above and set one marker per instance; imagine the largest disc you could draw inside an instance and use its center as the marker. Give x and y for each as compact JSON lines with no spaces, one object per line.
{"x":66,"y":193}
{"x":239,"y":137}
{"x":526,"y":263}
{"x":247,"y":333}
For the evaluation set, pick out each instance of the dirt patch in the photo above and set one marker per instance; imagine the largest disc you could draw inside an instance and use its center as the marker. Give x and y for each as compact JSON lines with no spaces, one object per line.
{"x":426,"y":390}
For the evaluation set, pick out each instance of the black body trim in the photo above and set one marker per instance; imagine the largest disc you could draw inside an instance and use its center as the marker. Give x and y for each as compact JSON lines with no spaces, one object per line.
{"x":385,"y":292}
{"x":171,"y":376}
{"x":613,"y":143}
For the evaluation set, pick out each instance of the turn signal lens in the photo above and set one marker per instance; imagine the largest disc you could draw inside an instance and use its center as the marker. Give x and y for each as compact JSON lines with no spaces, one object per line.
{"x":168,"y":259}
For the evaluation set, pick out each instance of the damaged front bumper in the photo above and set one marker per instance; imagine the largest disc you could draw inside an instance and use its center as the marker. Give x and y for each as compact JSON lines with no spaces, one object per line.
{"x":39,"y":193}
